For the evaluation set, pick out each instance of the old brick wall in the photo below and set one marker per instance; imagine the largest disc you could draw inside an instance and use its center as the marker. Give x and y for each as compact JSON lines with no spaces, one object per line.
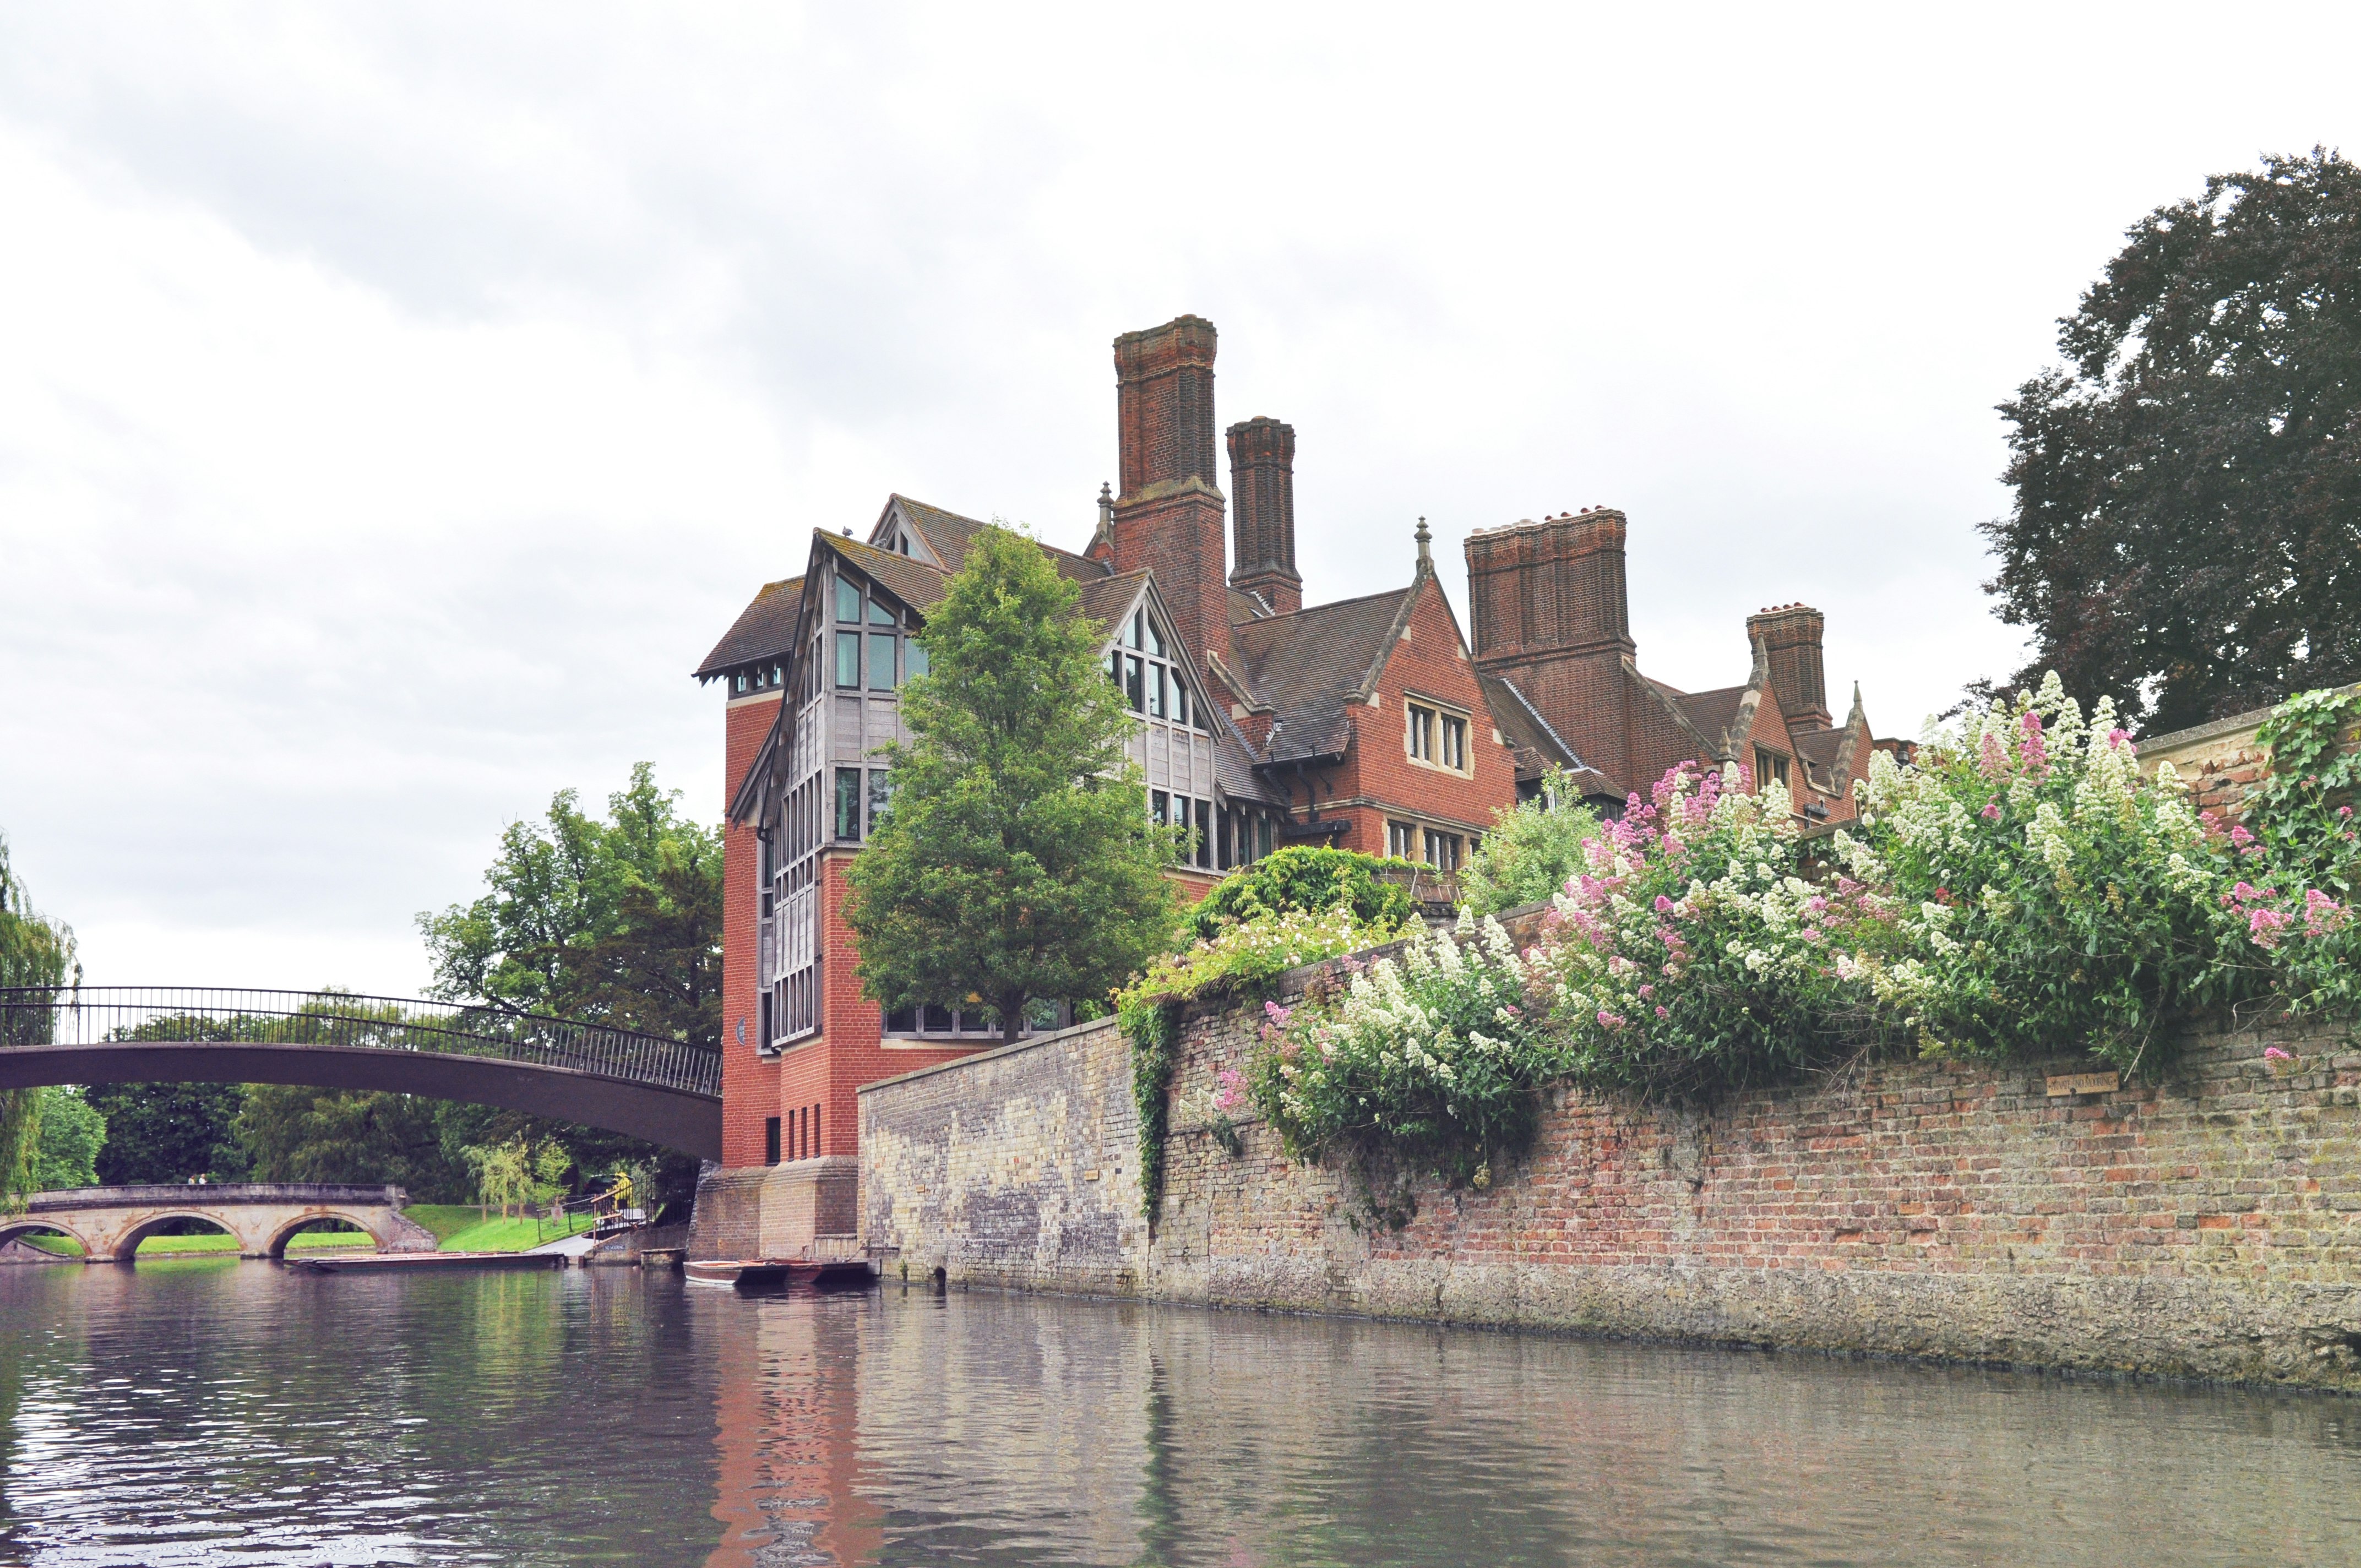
{"x":2208,"y":1225}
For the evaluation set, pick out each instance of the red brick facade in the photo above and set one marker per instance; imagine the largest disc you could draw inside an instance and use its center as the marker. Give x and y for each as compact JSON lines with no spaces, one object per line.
{"x":750,"y":1083}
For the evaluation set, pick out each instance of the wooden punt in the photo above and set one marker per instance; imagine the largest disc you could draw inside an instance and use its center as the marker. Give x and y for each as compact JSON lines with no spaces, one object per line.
{"x":425,"y":1262}
{"x":754,"y":1274}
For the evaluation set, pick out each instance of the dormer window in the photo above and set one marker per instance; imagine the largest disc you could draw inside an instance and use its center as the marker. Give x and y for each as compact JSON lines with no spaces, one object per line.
{"x":1769,"y":765}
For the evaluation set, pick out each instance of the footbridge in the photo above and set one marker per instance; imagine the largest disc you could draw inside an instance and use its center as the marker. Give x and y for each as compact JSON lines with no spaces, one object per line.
{"x":111,"y":1222}
{"x":648,"y":1086}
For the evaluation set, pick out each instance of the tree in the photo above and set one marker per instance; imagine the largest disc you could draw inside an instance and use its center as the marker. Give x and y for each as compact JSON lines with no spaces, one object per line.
{"x":39,"y":954}
{"x":614,"y":921}
{"x":168,"y":1132}
{"x":2187,"y":530}
{"x":617,"y":921}
{"x":298,"y":1134}
{"x":1017,"y":862}
{"x":1533,"y":847}
{"x":71,"y":1132}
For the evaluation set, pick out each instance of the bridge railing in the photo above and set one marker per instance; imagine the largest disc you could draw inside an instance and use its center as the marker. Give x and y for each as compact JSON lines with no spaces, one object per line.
{"x":95,"y":1016}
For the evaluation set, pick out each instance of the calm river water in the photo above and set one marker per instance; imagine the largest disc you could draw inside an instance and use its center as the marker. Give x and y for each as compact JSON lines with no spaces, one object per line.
{"x":224,"y":1412}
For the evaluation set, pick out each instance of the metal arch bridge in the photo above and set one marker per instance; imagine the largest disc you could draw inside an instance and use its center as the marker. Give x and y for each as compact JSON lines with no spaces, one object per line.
{"x":644,"y":1085}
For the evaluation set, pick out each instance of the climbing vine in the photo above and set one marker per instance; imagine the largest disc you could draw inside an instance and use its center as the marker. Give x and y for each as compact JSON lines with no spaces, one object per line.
{"x":1239,"y":959}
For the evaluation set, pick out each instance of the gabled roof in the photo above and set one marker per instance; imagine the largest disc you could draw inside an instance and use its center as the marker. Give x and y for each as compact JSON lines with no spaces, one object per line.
{"x":1714,"y":715}
{"x":764,"y":630}
{"x":949,"y":535}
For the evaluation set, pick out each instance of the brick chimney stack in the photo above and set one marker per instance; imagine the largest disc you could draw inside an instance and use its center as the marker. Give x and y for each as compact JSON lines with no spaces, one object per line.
{"x":1262,"y":488}
{"x":1548,"y":611}
{"x":1790,"y":635}
{"x":1169,"y":515}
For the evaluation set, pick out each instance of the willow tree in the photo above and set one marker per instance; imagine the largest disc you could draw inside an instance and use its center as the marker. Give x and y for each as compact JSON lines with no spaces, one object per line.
{"x":39,"y":954}
{"x":1016,"y":862}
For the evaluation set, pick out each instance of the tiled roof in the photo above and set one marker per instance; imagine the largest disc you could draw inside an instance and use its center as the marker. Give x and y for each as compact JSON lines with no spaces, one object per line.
{"x":764,"y":630}
{"x":949,"y":535}
{"x":1713,"y":712}
{"x":915,"y":583}
{"x":1819,"y":748}
{"x":1536,"y":746}
{"x":1107,"y":597}
{"x":1316,"y":660}
{"x":1245,"y":607}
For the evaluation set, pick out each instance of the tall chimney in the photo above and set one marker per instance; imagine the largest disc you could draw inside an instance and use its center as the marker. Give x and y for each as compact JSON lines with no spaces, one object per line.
{"x":1548,"y":611}
{"x":1262,"y":491}
{"x":1168,"y":516}
{"x":1790,"y":635}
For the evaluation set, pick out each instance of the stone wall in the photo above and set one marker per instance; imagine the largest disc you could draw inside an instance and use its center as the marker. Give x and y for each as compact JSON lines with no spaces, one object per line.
{"x":2208,"y":1225}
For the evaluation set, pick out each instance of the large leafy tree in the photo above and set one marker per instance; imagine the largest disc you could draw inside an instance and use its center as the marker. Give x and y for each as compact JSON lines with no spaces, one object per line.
{"x":1016,"y":862}
{"x":37,"y":953}
{"x":615,"y":920}
{"x":168,"y":1132}
{"x":2187,"y":531}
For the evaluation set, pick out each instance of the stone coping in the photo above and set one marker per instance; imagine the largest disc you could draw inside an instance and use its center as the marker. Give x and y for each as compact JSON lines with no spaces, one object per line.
{"x":217,"y":1193}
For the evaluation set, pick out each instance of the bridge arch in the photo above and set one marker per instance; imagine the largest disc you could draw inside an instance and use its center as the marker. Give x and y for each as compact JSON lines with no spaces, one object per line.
{"x":13,"y":1226}
{"x":665,"y":1090}
{"x":126,"y":1243}
{"x":275,"y":1244}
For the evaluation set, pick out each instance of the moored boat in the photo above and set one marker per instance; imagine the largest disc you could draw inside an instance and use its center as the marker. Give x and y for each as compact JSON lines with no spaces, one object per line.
{"x":425,"y":1262}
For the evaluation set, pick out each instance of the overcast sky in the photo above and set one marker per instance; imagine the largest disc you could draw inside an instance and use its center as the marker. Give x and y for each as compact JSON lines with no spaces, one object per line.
{"x":396,"y":402}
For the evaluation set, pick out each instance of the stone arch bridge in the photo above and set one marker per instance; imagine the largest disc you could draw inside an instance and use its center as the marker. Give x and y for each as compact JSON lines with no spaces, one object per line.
{"x":648,"y":1086}
{"x":111,"y":1222}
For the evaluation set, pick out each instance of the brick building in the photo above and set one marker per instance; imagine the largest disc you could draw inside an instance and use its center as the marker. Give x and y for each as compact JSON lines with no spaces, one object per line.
{"x":1368,"y":723}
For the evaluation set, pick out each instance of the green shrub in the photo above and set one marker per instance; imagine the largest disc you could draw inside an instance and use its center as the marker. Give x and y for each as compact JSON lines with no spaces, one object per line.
{"x":1532,"y":849}
{"x":1307,"y":879}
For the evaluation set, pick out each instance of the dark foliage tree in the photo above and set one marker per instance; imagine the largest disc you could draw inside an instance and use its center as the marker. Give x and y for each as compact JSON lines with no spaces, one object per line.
{"x":295,"y":1133}
{"x":2187,"y":530}
{"x":168,"y":1132}
{"x":1016,"y":862}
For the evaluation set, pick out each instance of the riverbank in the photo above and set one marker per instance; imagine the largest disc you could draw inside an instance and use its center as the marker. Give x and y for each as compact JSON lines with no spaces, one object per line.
{"x":2026,"y":1214}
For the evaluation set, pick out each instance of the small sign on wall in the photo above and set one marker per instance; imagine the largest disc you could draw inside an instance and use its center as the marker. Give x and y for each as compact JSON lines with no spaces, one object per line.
{"x":2083,"y":1083}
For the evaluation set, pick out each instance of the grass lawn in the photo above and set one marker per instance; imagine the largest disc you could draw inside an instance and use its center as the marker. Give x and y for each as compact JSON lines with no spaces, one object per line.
{"x":460,"y":1227}
{"x":174,"y":1246}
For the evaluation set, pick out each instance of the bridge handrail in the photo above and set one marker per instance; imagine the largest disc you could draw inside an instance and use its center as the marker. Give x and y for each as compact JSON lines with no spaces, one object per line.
{"x":91,"y":1015}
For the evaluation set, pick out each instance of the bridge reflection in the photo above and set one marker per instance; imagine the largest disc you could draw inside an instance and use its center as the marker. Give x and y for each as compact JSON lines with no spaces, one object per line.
{"x":645,"y":1085}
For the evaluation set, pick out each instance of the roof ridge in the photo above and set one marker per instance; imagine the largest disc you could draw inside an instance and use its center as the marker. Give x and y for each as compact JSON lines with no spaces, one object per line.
{"x":892,"y":495}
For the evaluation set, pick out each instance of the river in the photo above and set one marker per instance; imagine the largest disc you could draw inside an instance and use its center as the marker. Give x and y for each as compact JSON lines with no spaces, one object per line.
{"x":217,"y":1412}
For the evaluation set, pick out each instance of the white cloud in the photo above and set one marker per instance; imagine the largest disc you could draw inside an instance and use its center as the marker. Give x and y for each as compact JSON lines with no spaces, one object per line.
{"x":396,"y":402}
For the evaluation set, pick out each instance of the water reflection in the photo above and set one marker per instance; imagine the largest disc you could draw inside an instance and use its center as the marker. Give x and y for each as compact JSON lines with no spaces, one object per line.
{"x":216,"y":1413}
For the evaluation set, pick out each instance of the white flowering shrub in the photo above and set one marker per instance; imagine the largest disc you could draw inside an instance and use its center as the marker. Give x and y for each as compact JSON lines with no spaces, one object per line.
{"x":1433,"y":1061}
{"x":2046,"y":895}
{"x":1699,"y":947}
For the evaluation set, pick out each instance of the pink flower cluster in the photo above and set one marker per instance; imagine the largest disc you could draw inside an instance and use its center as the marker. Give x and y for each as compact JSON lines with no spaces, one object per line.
{"x":2266,"y":924}
{"x":1234,"y":1089}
